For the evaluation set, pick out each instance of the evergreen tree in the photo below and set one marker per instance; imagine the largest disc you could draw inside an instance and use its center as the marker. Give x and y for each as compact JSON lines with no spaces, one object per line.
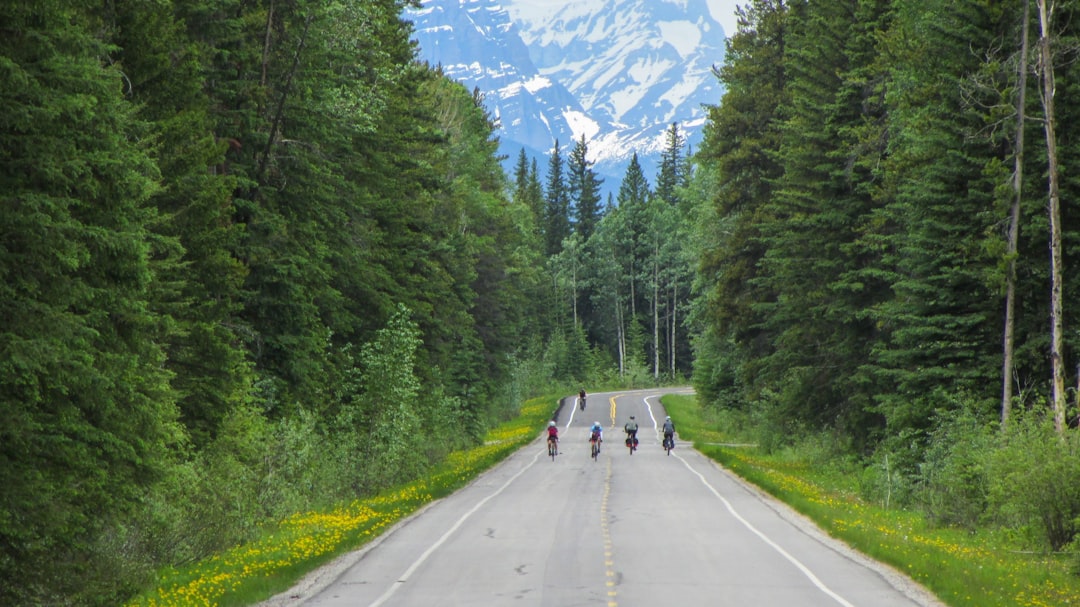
{"x":943,"y":324}
{"x":583,"y":189}
{"x":87,"y":409}
{"x":674,"y":167}
{"x":198,"y":283}
{"x":556,"y":204}
{"x":742,"y":137}
{"x":634,"y":194}
{"x":822,"y":273}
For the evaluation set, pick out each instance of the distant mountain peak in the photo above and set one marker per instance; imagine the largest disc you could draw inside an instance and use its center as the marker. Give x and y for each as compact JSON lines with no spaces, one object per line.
{"x":617,"y":72}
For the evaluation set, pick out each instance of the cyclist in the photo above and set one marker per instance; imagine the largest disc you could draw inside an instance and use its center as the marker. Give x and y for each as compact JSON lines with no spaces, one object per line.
{"x":669,"y":431}
{"x":596,"y":433}
{"x":553,"y":435}
{"x":581,"y":399}
{"x":631,"y":429}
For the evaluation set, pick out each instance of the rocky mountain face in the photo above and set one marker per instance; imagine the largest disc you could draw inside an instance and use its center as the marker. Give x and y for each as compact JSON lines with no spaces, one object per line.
{"x":617,"y":72}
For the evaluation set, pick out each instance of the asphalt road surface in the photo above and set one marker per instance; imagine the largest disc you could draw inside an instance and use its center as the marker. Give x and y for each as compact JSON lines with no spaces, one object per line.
{"x":646,"y":529}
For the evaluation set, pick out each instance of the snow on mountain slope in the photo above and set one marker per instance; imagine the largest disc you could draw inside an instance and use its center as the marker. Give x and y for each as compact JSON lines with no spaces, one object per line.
{"x":617,"y":72}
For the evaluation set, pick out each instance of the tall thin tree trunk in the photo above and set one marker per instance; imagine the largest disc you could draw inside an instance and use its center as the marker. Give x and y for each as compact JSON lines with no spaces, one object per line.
{"x":573,"y":287}
{"x":275,"y":126}
{"x":620,"y":334}
{"x":266,"y":43}
{"x":1014,"y":225}
{"x":656,"y":312}
{"x":671,"y":329}
{"x":1046,"y":64}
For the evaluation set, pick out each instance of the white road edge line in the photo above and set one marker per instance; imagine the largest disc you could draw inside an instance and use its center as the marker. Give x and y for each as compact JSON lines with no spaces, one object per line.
{"x":794,"y":561}
{"x":423,"y":557}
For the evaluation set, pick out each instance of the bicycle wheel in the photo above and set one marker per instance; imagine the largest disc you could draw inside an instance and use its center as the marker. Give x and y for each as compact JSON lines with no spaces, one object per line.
{"x":667,"y":445}
{"x":551,"y":449}
{"x":595,"y":449}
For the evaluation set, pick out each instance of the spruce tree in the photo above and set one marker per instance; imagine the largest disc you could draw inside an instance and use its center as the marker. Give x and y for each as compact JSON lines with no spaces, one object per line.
{"x":556,"y":204}
{"x":84,"y":395}
{"x":583,"y":189}
{"x":815,"y":262}
{"x":742,"y":137}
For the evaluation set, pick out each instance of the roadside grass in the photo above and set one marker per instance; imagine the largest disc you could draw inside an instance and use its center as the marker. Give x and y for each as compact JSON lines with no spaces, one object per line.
{"x":961,"y":568}
{"x":304,"y":541}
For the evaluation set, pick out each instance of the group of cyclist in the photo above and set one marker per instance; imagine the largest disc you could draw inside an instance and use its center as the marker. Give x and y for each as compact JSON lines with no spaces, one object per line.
{"x":596,"y":431}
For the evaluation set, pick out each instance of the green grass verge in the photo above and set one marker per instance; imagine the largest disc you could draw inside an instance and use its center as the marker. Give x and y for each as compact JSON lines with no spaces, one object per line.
{"x":301,"y":543}
{"x":961,"y":568}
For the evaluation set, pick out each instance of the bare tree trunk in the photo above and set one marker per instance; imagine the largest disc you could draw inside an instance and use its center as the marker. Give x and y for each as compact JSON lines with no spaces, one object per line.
{"x":280,"y":113}
{"x":674,"y":324}
{"x":620,"y":335}
{"x":656,"y":313}
{"x":573,"y":287}
{"x":1014,"y":225}
{"x":1046,"y":65}
{"x":266,"y":43}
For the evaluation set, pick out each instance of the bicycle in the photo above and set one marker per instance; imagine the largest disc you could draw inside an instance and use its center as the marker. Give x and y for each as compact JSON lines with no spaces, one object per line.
{"x":581,"y":403}
{"x":669,"y":444}
{"x":632,"y":443}
{"x":553,"y":448}
{"x":595,"y":446}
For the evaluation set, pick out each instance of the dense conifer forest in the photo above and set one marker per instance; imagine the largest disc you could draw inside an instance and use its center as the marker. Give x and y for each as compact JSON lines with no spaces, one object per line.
{"x":257,"y":259}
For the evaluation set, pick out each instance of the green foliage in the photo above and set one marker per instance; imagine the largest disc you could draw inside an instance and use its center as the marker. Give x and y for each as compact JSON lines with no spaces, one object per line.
{"x":955,"y":475}
{"x":556,"y":221}
{"x":1033,"y":482}
{"x":208,"y":210}
{"x":583,"y":188}
{"x":87,"y":408}
{"x":392,"y":439}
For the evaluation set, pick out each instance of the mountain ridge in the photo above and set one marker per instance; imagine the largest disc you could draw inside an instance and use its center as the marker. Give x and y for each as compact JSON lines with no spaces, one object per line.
{"x":617,"y":72}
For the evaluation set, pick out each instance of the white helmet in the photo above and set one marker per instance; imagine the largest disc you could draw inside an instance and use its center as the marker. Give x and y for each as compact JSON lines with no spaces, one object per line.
{"x":596,"y":423}
{"x":551,"y":423}
{"x":669,"y":418}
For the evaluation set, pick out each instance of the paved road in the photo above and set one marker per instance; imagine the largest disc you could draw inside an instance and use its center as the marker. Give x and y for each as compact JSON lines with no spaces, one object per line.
{"x":624,"y":530}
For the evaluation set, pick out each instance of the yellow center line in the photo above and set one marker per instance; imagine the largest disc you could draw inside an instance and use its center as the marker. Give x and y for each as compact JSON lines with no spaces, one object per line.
{"x":612,"y":401}
{"x":609,"y":561}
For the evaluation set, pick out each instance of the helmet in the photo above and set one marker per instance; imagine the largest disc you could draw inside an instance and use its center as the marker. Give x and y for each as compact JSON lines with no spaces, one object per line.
{"x":551,"y":423}
{"x":596,"y":423}
{"x":669,"y":418}
{"x":631,"y":417}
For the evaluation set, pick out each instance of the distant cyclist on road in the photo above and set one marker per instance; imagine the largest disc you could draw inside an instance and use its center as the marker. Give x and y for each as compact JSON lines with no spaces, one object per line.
{"x":581,"y":399}
{"x":669,"y":432}
{"x":553,"y":435}
{"x":631,"y":429}
{"x":596,"y":433}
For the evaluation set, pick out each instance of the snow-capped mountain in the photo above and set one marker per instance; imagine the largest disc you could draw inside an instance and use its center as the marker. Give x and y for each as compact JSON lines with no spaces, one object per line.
{"x":617,"y":72}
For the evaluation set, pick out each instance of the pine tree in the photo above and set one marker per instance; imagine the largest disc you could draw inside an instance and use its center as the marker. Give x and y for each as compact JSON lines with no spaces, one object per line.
{"x":674,"y":168}
{"x":198,"y":280}
{"x":583,"y":189}
{"x":815,"y":261}
{"x":942,"y":325}
{"x":742,"y":137}
{"x":87,"y":409}
{"x":556,"y":204}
